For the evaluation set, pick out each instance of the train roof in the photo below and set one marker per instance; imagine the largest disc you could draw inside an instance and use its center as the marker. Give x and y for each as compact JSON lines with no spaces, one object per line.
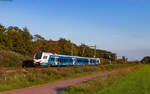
{"x":69,"y":56}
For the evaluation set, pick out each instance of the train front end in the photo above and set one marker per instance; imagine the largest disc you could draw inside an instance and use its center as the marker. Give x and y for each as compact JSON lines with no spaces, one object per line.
{"x":41,"y":59}
{"x":37,"y":59}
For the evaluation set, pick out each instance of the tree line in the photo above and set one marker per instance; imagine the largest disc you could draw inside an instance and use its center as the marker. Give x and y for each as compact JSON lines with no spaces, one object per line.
{"x":21,"y":41}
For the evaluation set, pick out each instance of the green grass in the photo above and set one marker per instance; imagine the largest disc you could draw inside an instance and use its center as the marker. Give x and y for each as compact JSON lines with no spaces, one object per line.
{"x":110,"y":84}
{"x":136,"y":83}
{"x":30,"y":77}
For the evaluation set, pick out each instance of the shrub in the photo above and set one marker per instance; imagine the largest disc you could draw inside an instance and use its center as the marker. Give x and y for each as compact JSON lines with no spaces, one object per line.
{"x":12,"y":59}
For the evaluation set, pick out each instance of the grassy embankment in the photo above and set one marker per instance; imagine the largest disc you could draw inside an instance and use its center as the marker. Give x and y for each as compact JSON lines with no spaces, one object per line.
{"x":126,"y":82}
{"x":30,"y":77}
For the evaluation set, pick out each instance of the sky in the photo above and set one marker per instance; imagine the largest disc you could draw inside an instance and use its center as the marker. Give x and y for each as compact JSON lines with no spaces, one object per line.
{"x":120,"y":26}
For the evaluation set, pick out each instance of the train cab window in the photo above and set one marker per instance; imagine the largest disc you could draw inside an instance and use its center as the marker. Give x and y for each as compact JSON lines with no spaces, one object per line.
{"x":38,"y":55}
{"x":45,"y":57}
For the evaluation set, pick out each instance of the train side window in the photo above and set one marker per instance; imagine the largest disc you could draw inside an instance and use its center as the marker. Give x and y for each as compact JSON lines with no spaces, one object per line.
{"x":78,"y":60}
{"x":58,"y":59}
{"x":45,"y":57}
{"x":86,"y":61}
{"x":70,"y":60}
{"x":52,"y":59}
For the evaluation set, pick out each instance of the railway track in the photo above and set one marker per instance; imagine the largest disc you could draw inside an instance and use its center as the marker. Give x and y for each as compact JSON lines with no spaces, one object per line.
{"x":31,"y":68}
{"x":2,"y":70}
{"x":20,"y":69}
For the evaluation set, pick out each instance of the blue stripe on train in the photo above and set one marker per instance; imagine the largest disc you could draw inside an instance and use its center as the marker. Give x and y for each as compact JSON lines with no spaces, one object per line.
{"x":44,"y":64}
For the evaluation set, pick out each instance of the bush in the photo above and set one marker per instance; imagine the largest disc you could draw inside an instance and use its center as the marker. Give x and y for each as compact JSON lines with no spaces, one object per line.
{"x":12,"y":59}
{"x":146,"y":60}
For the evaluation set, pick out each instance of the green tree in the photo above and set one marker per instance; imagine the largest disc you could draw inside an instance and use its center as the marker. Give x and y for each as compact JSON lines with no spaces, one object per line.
{"x":65,"y":46}
{"x":2,"y":36}
{"x":146,"y":60}
{"x":21,"y":41}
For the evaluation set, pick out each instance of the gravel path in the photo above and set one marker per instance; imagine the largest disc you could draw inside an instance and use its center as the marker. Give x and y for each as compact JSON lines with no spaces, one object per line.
{"x":57,"y":87}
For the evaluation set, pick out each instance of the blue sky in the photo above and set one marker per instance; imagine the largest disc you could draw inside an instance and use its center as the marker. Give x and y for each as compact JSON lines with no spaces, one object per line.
{"x":120,"y":26}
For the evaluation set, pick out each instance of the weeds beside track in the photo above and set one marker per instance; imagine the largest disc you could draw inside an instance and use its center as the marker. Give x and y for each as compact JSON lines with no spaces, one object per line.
{"x":28,"y":77}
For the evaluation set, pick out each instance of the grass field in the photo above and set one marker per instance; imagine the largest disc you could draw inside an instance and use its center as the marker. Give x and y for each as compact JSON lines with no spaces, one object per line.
{"x":136,"y":83}
{"x":132,"y":81}
{"x":30,"y":77}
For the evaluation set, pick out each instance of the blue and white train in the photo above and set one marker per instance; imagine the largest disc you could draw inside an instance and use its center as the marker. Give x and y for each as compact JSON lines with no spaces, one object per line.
{"x":49,"y":59}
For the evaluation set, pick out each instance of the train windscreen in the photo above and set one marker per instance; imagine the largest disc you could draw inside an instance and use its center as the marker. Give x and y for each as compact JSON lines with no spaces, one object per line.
{"x":38,"y":55}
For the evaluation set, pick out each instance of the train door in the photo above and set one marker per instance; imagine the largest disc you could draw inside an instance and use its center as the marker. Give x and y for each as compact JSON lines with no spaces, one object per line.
{"x":56,"y":60}
{"x":89,"y":61}
{"x":45,"y":58}
{"x":51,"y":60}
{"x":73,"y":61}
{"x":98,"y":61}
